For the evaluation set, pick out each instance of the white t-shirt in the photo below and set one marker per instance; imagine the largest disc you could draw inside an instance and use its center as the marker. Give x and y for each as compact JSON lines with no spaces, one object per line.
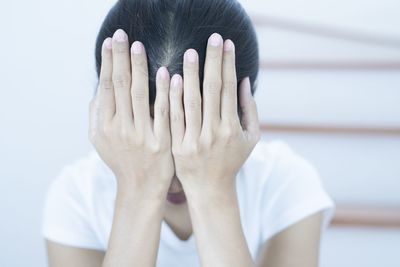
{"x":275,"y":186}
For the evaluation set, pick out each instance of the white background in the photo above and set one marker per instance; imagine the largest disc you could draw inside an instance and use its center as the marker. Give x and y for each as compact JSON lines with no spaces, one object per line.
{"x":48,"y":74}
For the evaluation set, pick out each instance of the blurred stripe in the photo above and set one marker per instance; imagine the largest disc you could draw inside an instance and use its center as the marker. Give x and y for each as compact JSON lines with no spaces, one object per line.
{"x":331,"y":65}
{"x":367,"y":216}
{"x":326,"y":31}
{"x":304,"y":128}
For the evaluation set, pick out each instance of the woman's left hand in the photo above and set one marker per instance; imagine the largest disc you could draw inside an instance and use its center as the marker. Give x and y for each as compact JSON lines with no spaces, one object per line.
{"x":209,"y":147}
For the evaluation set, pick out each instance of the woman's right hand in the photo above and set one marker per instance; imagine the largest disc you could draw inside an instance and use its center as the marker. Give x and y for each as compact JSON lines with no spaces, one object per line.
{"x":135,"y":147}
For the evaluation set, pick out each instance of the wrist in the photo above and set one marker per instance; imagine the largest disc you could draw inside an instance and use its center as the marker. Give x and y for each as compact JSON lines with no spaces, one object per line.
{"x":135,"y":192}
{"x":222,"y":192}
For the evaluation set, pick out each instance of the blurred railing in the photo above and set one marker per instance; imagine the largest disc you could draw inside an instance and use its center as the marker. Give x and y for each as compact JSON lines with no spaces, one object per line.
{"x":367,"y":216}
{"x":326,"y":31}
{"x":331,"y":65}
{"x":350,"y":214}
{"x":330,"y":129}
{"x":346,"y":214}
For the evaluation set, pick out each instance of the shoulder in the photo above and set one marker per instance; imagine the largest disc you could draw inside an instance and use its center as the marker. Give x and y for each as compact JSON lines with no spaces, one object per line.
{"x":275,"y":162}
{"x":270,"y":152}
{"x":81,"y":175}
{"x":287,"y":186}
{"x":272,"y":159}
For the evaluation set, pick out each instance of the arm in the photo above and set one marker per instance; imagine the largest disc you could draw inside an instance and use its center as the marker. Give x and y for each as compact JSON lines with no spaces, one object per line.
{"x":209,"y":148}
{"x":220,"y":235}
{"x":138,"y":151}
{"x":217,"y":144}
{"x":301,"y":241}
{"x":59,"y":255}
{"x":216,"y":223}
{"x":136,"y":228}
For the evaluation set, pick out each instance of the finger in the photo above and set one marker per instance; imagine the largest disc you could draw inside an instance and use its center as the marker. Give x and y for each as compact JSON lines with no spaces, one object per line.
{"x":229,"y":85}
{"x":106,"y":88}
{"x":161,"y":105}
{"x":212,"y":81}
{"x":250,"y":121}
{"x":93,"y":116}
{"x":191,"y":94}
{"x":176,"y":110}
{"x":122,"y":75}
{"x":140,"y":86}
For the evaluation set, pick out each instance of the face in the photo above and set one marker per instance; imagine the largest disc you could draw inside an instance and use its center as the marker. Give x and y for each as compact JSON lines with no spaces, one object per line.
{"x":175,"y":195}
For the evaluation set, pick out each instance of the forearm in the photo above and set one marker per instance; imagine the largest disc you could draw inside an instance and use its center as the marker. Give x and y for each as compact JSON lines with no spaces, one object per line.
{"x":216,"y":224}
{"x":135,"y":233}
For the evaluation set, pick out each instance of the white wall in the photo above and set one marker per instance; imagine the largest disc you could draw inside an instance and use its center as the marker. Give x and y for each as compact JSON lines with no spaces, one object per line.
{"x":47,"y":77}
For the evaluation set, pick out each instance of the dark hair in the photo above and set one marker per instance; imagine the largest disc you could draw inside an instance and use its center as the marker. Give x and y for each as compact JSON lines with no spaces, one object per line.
{"x":167,"y":28}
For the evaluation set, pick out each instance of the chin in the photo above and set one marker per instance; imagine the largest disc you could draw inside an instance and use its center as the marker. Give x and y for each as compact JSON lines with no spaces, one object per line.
{"x":176,"y":198}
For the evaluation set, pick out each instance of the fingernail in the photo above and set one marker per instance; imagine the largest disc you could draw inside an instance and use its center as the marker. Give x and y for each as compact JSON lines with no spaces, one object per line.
{"x":229,"y":46}
{"x":137,"y":47}
{"x":191,"y":56}
{"x":176,"y":81}
{"x":120,"y":36}
{"x":215,"y":39}
{"x":108,"y":43}
{"x":163,"y":73}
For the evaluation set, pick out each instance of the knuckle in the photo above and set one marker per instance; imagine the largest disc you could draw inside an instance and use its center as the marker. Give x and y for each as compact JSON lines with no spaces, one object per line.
{"x":228,"y":134}
{"x":232,"y":122}
{"x":162,"y":110}
{"x":140,"y":140}
{"x":125,"y":135}
{"x":121,"y":80}
{"x":155,"y":148}
{"x":96,"y":135}
{"x":213,"y":87}
{"x":106,"y":130}
{"x":139,"y":95}
{"x":192,"y":149}
{"x":208,"y":140}
{"x":176,"y":116}
{"x":192,"y":103}
{"x":106,"y":83}
{"x":229,"y":87}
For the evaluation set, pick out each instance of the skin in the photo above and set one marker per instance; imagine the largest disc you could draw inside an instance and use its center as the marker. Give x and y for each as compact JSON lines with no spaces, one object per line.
{"x":149,"y":148}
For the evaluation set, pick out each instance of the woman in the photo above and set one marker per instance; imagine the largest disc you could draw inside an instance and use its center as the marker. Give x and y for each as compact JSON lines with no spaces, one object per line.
{"x":182,"y":179}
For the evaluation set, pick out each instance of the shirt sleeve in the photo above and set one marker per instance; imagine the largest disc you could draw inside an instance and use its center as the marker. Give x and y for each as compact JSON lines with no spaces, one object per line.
{"x":66,"y":216}
{"x":292,"y":192}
